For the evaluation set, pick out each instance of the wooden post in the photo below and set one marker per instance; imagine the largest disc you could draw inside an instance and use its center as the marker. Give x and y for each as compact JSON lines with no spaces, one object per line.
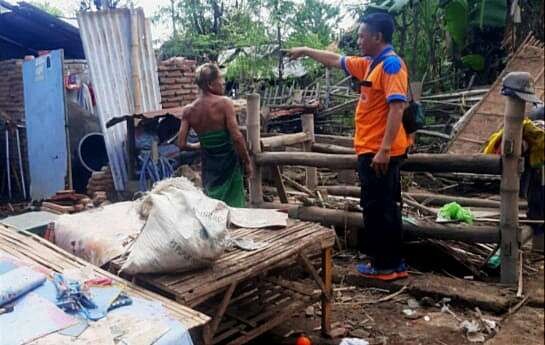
{"x":279,"y":182}
{"x":327,"y":87}
{"x":137,"y":95}
{"x":307,"y":122}
{"x":327,"y":276}
{"x":254,"y":146}
{"x":510,"y":180}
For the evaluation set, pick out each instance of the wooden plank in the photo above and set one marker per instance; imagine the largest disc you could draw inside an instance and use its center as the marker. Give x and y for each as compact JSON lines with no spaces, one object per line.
{"x":244,"y":265}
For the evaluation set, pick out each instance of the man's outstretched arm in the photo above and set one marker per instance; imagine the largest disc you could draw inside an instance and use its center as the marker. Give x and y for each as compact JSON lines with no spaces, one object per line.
{"x":329,"y":59}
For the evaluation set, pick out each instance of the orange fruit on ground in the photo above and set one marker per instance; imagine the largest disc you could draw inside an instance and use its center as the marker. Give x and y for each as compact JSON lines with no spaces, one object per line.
{"x":303,"y":340}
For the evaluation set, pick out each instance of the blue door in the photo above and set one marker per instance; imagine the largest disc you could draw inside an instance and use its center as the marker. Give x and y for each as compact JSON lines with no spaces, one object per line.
{"x":45,"y":124}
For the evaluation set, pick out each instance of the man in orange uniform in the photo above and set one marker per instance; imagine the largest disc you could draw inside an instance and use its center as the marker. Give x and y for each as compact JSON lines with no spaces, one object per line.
{"x":380,"y":140}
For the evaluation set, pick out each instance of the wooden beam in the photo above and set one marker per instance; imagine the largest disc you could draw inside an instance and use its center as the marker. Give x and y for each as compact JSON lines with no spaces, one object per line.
{"x":476,"y":163}
{"x":279,"y":182}
{"x":254,"y":142}
{"x":331,"y":148}
{"x":298,"y":186}
{"x":335,"y":140}
{"x":340,"y":218}
{"x":426,"y":198}
{"x":284,"y":140}
{"x":510,"y":181}
{"x":307,"y":123}
{"x":307,"y":265}
{"x":327,"y":276}
{"x":211,"y":328}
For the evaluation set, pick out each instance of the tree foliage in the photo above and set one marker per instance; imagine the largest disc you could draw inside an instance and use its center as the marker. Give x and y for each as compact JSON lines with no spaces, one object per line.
{"x":47,"y":7}
{"x":202,"y":29}
{"x":450,"y":41}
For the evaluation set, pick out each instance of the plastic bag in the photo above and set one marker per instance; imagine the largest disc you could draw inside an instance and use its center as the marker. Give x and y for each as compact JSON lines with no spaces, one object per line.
{"x":184,"y":229}
{"x":454,"y":211}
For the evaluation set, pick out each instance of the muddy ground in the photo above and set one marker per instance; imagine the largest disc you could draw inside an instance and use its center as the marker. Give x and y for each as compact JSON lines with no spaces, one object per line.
{"x":360,"y":312}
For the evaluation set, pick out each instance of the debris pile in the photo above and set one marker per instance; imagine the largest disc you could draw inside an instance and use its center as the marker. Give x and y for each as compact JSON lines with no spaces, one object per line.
{"x":176,"y":80}
{"x":101,"y":183}
{"x":66,"y":201}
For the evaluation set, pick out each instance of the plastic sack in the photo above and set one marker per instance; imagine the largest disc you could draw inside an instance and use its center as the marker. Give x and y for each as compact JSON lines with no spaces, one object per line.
{"x":17,"y":282}
{"x":99,"y":235}
{"x":453,"y":211}
{"x":184,"y":229}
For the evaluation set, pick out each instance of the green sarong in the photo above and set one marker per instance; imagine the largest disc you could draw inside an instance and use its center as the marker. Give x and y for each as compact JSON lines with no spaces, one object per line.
{"x":221,"y":170}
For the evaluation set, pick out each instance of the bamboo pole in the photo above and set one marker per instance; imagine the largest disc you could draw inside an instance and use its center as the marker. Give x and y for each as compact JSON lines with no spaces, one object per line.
{"x":284,"y":140}
{"x":137,"y":92}
{"x":254,"y":145}
{"x":510,"y":180}
{"x":428,"y":198}
{"x":332,"y":148}
{"x":335,"y":140}
{"x":423,"y":162}
{"x":307,"y":122}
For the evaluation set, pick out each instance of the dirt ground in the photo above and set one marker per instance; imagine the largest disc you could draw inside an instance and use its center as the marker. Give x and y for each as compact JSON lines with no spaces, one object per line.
{"x":359,"y":312}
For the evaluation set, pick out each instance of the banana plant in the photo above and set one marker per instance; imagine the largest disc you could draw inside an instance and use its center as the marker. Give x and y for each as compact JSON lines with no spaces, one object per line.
{"x":462,"y":16}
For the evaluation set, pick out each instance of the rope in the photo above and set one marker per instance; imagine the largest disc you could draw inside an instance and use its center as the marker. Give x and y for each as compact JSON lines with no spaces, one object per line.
{"x":152,"y":173}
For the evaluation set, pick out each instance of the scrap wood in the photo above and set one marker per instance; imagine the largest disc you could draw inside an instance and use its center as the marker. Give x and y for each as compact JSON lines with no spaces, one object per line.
{"x":297,"y":185}
{"x":389,"y":297}
{"x":515,"y":308}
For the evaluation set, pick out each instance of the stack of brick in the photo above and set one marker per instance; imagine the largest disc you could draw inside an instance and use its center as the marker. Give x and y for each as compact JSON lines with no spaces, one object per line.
{"x":66,"y":201}
{"x":11,"y":89}
{"x":177,"y":82}
{"x":101,"y":183}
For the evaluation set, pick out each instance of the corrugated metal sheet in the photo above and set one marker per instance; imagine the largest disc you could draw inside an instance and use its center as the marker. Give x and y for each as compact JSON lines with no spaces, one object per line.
{"x":106,"y":37}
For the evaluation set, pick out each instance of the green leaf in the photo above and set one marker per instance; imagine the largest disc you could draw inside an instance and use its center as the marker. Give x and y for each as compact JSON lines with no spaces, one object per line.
{"x":492,"y":13}
{"x":474,"y":61}
{"x":397,"y":6}
{"x":456,"y":17}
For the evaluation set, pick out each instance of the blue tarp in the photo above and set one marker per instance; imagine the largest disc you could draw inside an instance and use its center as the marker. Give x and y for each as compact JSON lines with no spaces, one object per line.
{"x":141,"y":308}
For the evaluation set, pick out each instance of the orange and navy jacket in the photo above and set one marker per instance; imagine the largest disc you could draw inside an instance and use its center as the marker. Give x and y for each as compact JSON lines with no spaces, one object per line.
{"x":387,"y":82}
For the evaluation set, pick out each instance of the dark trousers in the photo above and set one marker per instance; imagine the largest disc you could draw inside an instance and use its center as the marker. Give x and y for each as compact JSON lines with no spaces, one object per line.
{"x":382,"y":233}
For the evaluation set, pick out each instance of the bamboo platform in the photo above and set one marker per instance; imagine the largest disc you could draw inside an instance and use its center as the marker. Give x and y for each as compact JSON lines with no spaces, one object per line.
{"x":37,"y":251}
{"x":244,"y":311}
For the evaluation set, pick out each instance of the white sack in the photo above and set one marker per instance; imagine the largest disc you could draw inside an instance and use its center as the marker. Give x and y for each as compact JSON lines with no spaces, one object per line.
{"x":99,"y":235}
{"x":184,"y":229}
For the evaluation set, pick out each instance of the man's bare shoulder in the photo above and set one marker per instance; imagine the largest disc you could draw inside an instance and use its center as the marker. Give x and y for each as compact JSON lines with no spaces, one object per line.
{"x":226,"y":101}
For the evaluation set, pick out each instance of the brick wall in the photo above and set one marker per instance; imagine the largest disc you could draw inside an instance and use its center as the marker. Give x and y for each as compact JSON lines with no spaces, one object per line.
{"x":11,"y":89}
{"x":177,"y":82}
{"x":12,"y":105}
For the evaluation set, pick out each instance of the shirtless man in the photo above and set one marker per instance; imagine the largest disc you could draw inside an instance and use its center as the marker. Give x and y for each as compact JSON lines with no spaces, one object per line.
{"x":222,"y":145}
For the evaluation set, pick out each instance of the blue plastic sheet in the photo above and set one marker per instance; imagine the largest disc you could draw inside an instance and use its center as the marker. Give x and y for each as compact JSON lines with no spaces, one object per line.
{"x":17,"y":282}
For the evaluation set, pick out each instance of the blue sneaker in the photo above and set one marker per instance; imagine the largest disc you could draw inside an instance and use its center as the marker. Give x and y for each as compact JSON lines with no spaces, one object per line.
{"x":369,"y":271}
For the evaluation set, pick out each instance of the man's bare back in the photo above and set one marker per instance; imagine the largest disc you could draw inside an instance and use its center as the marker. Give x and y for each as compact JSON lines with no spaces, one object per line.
{"x":211,"y":111}
{"x":208,"y":113}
